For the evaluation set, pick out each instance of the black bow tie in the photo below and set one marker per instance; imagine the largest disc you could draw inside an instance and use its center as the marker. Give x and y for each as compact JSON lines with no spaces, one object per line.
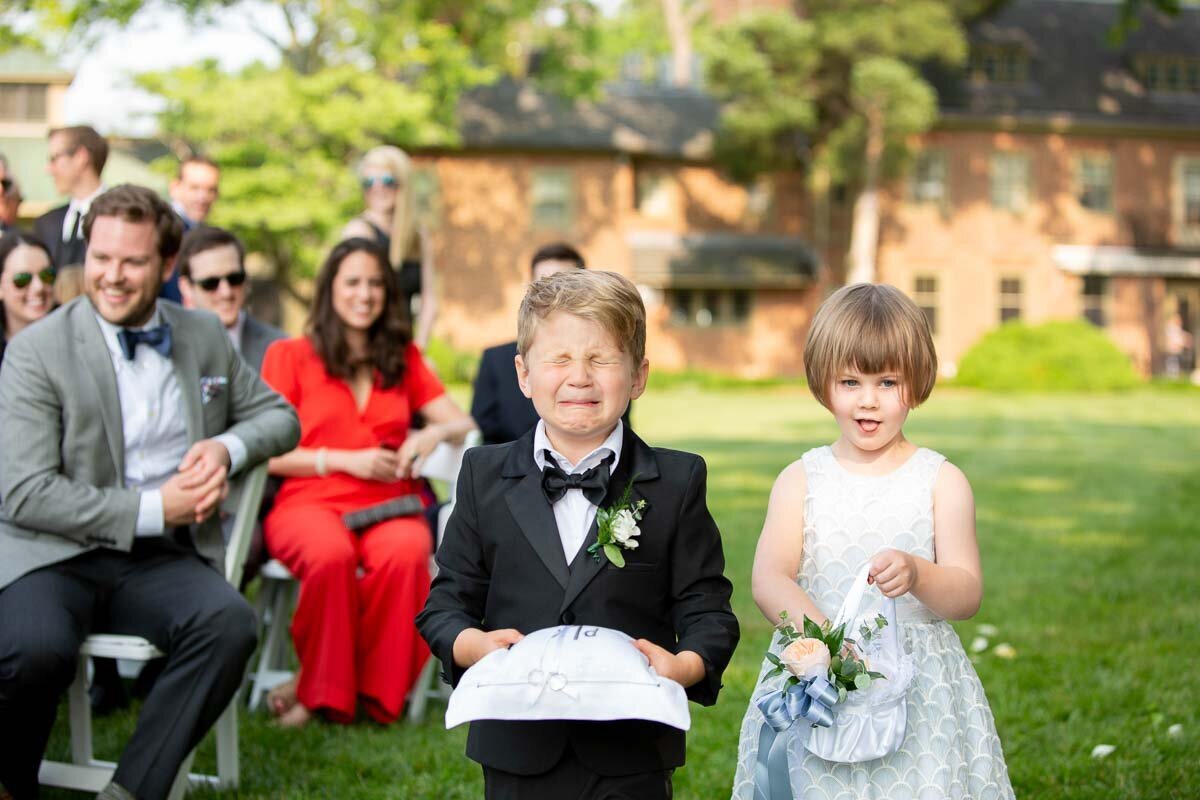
{"x":594,"y":482}
{"x":159,"y":338}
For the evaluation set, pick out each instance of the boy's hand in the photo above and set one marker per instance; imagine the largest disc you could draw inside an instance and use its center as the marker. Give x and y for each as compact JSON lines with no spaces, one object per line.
{"x":473,"y":644}
{"x":685,"y":668}
{"x":894,"y":572}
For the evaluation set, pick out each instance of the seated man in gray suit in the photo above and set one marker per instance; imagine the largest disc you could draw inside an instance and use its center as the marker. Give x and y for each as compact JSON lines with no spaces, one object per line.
{"x":120,"y":419}
{"x":212,"y":277}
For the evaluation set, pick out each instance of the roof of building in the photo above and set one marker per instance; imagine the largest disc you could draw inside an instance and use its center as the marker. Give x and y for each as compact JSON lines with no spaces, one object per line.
{"x":632,"y":118}
{"x":26,"y":64}
{"x":1073,"y":73}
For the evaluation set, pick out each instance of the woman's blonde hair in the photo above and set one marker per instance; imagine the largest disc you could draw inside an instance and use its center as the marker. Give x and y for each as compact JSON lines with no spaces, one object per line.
{"x":404,"y":220}
{"x":871,"y":328}
{"x":609,"y":299}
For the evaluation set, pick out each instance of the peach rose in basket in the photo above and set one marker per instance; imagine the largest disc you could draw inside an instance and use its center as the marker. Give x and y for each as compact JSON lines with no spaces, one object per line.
{"x":806,"y":658}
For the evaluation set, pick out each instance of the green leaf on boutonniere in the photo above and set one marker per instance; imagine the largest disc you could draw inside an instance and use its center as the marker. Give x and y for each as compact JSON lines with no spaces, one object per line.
{"x":811,"y":629}
{"x":614,"y":555}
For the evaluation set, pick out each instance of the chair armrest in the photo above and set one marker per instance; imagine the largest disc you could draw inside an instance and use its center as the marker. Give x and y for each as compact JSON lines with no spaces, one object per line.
{"x":246,"y":518}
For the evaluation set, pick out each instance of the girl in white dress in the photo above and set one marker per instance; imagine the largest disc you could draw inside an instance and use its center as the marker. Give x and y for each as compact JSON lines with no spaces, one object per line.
{"x":874,"y":496}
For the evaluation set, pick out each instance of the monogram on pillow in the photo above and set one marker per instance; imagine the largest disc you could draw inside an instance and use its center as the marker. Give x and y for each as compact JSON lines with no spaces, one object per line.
{"x":211,"y":387}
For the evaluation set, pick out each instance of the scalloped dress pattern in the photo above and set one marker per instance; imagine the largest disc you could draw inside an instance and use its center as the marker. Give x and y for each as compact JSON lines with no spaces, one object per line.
{"x":951,"y":750}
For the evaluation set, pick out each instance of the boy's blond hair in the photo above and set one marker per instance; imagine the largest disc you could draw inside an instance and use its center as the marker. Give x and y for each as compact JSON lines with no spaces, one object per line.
{"x":872,"y":328}
{"x":609,"y":299}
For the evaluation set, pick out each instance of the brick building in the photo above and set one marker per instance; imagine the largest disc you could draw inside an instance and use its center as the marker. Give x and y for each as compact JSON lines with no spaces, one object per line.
{"x":1062,"y":180}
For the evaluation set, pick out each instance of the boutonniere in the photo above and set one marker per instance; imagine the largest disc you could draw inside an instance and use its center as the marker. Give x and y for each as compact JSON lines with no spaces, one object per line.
{"x":617,"y":528}
{"x":211,"y":387}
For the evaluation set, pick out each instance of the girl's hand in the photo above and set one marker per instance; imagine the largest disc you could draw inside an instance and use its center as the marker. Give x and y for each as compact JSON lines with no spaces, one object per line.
{"x":415,"y":449}
{"x":371,"y":464}
{"x":894,"y":572}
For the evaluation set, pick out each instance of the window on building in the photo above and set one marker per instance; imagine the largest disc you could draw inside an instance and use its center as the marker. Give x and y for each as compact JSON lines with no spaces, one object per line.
{"x":1010,"y":299}
{"x":999,"y":63}
{"x":1010,"y":181}
{"x":927,"y":181}
{"x":552,"y":199}
{"x":705,"y":308}
{"x":653,"y":192}
{"x":1189,"y":197}
{"x":1168,"y":73}
{"x":1095,"y":290}
{"x":23,"y":102}
{"x":1093,"y":176}
{"x":925,"y":296}
{"x":760,"y":201}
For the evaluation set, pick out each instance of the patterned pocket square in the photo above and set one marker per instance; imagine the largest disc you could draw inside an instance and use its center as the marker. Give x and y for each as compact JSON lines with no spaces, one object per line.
{"x":211,"y":387}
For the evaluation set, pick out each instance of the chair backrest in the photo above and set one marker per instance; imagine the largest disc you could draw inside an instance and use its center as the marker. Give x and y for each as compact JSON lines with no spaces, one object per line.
{"x":238,"y":547}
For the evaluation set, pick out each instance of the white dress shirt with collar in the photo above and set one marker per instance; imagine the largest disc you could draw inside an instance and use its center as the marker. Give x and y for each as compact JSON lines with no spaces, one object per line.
{"x":80,"y":207}
{"x":574,"y":513}
{"x":154,"y":425}
{"x":235,"y":333}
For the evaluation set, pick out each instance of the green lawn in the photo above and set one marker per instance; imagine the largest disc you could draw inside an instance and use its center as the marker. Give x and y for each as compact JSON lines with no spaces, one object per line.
{"x":1087,"y":511}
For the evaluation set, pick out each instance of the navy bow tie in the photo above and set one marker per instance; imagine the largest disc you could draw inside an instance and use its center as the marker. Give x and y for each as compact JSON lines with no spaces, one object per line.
{"x":159,"y":338}
{"x":593,"y":482}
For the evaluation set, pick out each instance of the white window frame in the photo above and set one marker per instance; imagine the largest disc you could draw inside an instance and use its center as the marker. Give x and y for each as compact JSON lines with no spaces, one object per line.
{"x":1010,"y":169}
{"x":552,"y":185}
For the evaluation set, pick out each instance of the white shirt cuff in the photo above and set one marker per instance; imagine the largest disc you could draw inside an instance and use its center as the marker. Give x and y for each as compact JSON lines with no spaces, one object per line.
{"x":236,"y":449}
{"x":150,"y":514}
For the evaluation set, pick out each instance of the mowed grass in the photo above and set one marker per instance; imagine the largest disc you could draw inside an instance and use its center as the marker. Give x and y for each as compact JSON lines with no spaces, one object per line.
{"x":1087,"y":509}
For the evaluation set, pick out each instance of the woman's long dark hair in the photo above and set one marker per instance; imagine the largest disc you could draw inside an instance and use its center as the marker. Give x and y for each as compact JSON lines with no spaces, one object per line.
{"x":387,"y":337}
{"x":13,"y":238}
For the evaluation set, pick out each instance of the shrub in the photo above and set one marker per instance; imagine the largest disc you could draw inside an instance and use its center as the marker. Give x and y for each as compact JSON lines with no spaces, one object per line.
{"x":1059,"y":355}
{"x":453,"y":366}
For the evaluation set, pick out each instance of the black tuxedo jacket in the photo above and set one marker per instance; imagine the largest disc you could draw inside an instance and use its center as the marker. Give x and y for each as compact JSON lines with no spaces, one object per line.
{"x":502,"y":413}
{"x":501,"y":565}
{"x":49,"y":228}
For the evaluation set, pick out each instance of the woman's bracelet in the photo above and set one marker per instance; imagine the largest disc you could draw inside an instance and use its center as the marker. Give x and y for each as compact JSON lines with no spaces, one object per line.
{"x":321,"y":466}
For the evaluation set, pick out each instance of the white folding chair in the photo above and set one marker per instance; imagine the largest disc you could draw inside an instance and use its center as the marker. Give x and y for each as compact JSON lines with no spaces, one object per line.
{"x":277,"y":597}
{"x":85,"y":772}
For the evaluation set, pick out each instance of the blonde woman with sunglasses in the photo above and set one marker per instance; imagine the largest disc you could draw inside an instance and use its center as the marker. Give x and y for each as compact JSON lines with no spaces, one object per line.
{"x":26,"y":283}
{"x":389,"y":218}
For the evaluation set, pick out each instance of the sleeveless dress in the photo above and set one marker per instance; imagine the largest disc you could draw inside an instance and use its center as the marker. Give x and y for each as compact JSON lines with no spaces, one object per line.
{"x":951,"y":750}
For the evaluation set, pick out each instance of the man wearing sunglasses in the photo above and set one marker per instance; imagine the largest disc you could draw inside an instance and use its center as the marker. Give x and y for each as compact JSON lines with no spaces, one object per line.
{"x":10,"y":203}
{"x":212,"y":277}
{"x":121,"y":417}
{"x":75,"y":160}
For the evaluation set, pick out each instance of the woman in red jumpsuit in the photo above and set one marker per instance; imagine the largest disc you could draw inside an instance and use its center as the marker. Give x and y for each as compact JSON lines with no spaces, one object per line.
{"x":356,"y":380}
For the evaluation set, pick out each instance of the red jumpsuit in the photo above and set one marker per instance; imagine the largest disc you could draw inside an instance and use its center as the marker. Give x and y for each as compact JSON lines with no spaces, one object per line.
{"x":353,"y":631}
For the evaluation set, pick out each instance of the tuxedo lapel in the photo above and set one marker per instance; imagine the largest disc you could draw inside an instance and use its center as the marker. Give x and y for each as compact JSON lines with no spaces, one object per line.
{"x":187,"y":372}
{"x":637,"y":464}
{"x":531,"y":510}
{"x":94,"y":353}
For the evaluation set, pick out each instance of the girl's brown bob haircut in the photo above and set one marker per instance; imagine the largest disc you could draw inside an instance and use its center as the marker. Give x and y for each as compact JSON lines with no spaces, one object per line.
{"x":873,"y":329}
{"x":607,"y":298}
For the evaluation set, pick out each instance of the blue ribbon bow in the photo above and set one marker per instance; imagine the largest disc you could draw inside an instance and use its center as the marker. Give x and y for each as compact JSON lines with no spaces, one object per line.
{"x":811,"y":700}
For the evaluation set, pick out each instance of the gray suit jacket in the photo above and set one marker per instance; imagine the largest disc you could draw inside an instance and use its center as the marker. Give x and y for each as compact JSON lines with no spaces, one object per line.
{"x":62,"y":451}
{"x":256,"y":336}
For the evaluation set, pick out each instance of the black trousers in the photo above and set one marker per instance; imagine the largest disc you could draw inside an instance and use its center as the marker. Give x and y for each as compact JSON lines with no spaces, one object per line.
{"x":571,"y":779}
{"x":160,"y":591}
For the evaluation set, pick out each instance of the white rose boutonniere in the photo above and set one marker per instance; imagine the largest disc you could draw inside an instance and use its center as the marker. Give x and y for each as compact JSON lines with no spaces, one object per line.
{"x":617,"y":528}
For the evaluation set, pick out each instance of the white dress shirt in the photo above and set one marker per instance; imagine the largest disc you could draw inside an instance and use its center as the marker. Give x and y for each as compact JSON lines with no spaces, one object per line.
{"x":574,"y":513}
{"x":235,"y":333}
{"x":153,"y":423}
{"x":73,"y":223}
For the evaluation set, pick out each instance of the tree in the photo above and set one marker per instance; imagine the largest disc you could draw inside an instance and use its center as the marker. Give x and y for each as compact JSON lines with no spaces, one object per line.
{"x":832,"y":88}
{"x":286,"y":135}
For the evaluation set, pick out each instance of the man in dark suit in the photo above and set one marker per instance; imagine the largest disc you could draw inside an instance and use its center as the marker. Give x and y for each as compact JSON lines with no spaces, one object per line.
{"x":193,"y":193}
{"x":76,"y":159}
{"x":502,"y":413}
{"x":212,"y":277}
{"x":120,"y":419}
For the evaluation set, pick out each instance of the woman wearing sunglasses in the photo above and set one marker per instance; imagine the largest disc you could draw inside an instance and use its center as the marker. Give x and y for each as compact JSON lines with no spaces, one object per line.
{"x":390,"y":219}
{"x":26,"y":283}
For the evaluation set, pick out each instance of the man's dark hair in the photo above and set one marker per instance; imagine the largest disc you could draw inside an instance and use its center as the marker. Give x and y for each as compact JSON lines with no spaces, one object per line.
{"x":388,"y":337}
{"x":85,"y":136}
{"x":197,"y":159}
{"x":559,"y":251}
{"x":138,"y":204}
{"x":202,"y":239}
